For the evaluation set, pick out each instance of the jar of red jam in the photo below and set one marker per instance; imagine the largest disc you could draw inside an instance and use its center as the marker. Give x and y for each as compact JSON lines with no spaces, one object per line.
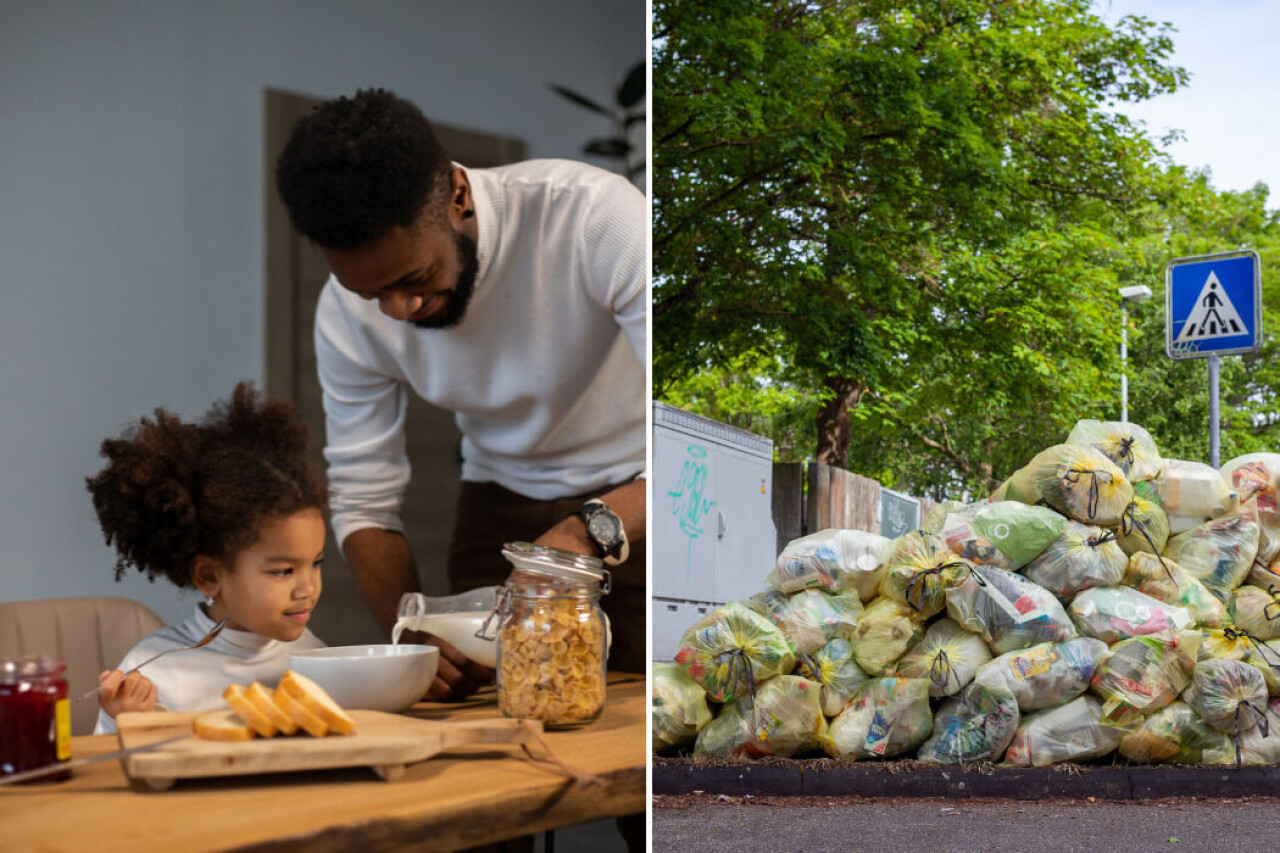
{"x":35,"y":714}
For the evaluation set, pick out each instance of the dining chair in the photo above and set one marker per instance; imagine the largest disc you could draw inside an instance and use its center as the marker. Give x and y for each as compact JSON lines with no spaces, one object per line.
{"x":91,"y":634}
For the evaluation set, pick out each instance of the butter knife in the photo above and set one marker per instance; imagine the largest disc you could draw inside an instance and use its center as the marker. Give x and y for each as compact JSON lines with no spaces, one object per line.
{"x":55,"y":769}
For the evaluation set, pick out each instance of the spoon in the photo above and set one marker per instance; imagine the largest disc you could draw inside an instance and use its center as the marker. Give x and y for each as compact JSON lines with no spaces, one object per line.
{"x":204,"y":641}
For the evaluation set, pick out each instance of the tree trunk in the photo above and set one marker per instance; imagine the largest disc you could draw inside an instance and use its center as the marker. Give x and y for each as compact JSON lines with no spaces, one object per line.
{"x":834,"y":420}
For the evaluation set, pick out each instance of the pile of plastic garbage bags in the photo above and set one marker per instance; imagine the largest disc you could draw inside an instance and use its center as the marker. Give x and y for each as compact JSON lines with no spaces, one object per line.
{"x":1103,"y":599}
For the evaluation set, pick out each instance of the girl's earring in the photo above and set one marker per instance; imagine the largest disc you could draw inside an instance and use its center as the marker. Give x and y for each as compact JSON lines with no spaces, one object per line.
{"x":208,"y":601}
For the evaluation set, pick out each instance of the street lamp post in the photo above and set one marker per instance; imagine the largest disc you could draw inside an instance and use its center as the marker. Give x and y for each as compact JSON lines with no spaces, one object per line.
{"x":1133,"y":293}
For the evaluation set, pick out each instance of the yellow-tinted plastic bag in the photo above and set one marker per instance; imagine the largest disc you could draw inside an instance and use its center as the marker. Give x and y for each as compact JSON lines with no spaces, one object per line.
{"x":1176,"y":734}
{"x":783,"y":719}
{"x":1164,"y":580}
{"x":1082,"y":483}
{"x":1075,"y":731}
{"x":886,"y":631}
{"x":1256,"y":611}
{"x":1143,"y":527}
{"x":887,"y":717}
{"x":679,"y":709}
{"x":1126,"y":444}
{"x":976,"y":726}
{"x":1257,"y":475}
{"x":732,"y":649}
{"x":1220,"y":688}
{"x":1146,"y":673}
{"x":1048,"y":674}
{"x":834,"y":667}
{"x":834,"y":560}
{"x":1083,"y":556}
{"x":1220,"y":552}
{"x":810,"y":618}
{"x":948,"y":657}
{"x":919,"y":571}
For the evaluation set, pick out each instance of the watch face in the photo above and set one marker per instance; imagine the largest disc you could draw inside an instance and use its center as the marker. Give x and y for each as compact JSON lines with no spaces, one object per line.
{"x":604,"y":527}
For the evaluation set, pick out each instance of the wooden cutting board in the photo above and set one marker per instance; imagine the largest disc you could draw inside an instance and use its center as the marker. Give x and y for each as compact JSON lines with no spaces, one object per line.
{"x":384,"y":742}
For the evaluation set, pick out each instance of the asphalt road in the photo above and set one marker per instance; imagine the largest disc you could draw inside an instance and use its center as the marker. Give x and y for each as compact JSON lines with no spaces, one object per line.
{"x":851,"y":825}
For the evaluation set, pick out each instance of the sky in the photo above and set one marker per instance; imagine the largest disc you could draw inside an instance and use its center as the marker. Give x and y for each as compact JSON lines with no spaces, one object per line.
{"x":1230,"y":109}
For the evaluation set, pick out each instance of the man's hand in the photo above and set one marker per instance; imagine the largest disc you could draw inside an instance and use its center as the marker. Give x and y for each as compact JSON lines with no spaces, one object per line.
{"x":457,"y":676}
{"x":627,"y":502}
{"x":119,"y":692}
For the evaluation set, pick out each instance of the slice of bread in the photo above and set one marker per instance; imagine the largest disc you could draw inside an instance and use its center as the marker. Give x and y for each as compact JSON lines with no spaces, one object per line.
{"x":261,"y":697}
{"x":235,"y":696}
{"x":222,"y":725}
{"x":312,"y":696}
{"x":309,"y":722}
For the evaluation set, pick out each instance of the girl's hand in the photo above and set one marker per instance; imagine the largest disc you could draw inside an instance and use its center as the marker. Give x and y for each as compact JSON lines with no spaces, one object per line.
{"x":119,"y":692}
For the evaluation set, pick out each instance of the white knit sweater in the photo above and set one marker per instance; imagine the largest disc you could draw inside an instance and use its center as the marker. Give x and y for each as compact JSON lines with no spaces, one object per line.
{"x":546,"y":372}
{"x":193,"y":680}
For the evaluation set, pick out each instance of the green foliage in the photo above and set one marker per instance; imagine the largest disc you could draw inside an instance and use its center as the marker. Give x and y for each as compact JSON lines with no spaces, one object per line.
{"x":934,"y":200}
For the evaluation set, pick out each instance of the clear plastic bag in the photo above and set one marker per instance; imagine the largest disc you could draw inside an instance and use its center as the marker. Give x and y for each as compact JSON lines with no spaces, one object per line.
{"x":1193,"y":494}
{"x":936,"y":517}
{"x":1257,"y":475}
{"x":1219,"y":552}
{"x":1114,"y":613}
{"x":886,"y":631}
{"x":834,"y":560}
{"x":1048,"y":674}
{"x":1126,"y":444}
{"x":948,"y":657}
{"x":1256,"y":611}
{"x":1075,"y":731}
{"x":834,"y":667}
{"x":976,"y":726}
{"x":1164,"y":580}
{"x":810,"y":618}
{"x":1261,"y":744}
{"x":1144,"y":674}
{"x":732,"y":649}
{"x":1220,"y":688}
{"x":1143,"y":527}
{"x":919,"y":570}
{"x":1175,"y":734}
{"x":1007,"y":610}
{"x":784,"y":718}
{"x":1082,"y":483}
{"x":679,"y":708}
{"x":887,"y":717}
{"x":1083,"y":556}
{"x":1004,"y":534}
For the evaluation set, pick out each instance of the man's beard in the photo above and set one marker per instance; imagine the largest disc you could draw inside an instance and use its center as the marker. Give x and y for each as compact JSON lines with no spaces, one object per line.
{"x":462,"y":290}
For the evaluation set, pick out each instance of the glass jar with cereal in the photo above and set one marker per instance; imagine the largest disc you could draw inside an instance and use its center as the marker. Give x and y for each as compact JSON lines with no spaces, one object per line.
{"x":552,"y":636}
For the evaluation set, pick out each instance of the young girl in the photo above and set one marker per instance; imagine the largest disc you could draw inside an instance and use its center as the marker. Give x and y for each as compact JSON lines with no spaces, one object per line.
{"x":233,"y":507}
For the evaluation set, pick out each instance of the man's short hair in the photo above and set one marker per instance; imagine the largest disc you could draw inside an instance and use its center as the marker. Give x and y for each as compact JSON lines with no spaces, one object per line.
{"x":355,"y":168}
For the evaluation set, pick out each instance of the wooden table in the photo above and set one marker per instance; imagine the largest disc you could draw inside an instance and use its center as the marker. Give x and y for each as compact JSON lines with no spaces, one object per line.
{"x":466,"y":797}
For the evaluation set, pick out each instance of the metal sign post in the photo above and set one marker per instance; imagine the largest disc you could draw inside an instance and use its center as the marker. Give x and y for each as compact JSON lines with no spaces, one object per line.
{"x":1213,"y":307}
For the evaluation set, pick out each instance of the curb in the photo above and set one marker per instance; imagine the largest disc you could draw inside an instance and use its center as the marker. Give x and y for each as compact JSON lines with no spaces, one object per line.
{"x":1109,"y":783}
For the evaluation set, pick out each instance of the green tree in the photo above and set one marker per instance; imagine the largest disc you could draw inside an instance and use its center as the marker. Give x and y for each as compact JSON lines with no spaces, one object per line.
{"x":908,"y":206}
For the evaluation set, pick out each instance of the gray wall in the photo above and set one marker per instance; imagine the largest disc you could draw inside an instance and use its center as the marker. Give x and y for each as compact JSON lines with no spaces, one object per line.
{"x":131,"y":180}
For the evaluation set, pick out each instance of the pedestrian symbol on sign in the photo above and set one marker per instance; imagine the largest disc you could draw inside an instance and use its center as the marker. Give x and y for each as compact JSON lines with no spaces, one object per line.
{"x":1213,"y":315}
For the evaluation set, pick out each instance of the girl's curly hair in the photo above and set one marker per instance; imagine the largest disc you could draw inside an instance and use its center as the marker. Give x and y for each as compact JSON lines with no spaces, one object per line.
{"x":173,"y":490}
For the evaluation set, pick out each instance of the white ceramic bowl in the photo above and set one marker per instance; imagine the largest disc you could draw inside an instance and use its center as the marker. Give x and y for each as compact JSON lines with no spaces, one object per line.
{"x":375,"y":678}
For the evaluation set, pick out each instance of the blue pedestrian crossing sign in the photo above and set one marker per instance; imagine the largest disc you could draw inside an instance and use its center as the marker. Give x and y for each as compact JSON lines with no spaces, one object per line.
{"x":1213,"y":305}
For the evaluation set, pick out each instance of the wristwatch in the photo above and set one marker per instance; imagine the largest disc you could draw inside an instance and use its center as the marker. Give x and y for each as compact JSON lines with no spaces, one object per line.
{"x":605,"y":529}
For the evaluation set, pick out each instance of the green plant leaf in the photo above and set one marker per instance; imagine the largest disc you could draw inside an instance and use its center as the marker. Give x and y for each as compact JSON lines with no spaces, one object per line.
{"x":580,"y":100}
{"x":631,"y":91}
{"x":614,"y":147}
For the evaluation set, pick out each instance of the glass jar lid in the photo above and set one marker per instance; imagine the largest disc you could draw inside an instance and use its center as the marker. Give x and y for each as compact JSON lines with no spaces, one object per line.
{"x":558,"y":564}
{"x":14,"y":670}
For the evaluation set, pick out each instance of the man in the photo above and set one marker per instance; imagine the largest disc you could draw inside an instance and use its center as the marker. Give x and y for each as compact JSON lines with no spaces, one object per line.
{"x":514,"y":297}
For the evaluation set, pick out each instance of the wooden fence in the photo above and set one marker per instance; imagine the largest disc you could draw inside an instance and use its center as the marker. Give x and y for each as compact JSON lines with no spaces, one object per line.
{"x":833,"y":498}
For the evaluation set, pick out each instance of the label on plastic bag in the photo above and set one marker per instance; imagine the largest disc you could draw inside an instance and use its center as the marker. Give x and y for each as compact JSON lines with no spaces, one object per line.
{"x":878,"y":734}
{"x":1031,"y":662}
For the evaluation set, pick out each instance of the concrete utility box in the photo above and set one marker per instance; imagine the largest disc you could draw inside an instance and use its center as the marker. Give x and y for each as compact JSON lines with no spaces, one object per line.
{"x":711,"y":527}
